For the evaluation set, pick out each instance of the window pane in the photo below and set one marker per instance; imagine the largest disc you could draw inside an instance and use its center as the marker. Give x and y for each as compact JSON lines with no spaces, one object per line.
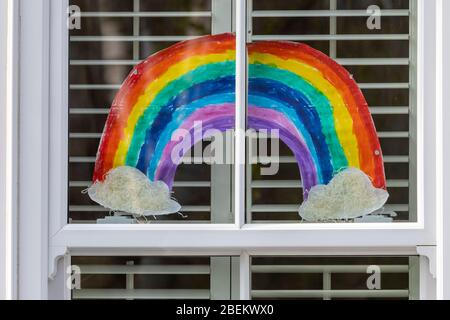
{"x":154,"y":277}
{"x":341,"y":89}
{"x":336,"y":278}
{"x":152,"y":104}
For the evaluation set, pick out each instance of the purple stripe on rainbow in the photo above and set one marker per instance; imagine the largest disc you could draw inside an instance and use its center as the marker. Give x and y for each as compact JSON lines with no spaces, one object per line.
{"x":259,"y":118}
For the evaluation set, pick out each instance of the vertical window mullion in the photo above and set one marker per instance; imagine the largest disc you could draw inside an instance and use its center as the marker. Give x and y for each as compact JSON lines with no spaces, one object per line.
{"x":333,"y":29}
{"x":240,"y":140}
{"x":136,"y":30}
{"x":241,"y":113}
{"x":221,"y":174}
{"x":245,"y":276}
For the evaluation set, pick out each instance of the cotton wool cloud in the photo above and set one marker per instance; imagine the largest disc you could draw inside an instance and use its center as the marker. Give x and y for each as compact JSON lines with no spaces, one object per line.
{"x":350,"y":194}
{"x":126,"y":189}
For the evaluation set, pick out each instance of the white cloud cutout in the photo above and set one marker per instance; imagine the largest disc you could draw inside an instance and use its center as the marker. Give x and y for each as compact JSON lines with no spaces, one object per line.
{"x":126,"y":189}
{"x":350,"y":194}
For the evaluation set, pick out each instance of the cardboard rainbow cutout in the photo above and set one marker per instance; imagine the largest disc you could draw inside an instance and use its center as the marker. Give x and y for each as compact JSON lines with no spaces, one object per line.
{"x":317,"y":107}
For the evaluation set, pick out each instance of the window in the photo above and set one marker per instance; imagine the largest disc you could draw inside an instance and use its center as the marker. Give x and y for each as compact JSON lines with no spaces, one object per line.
{"x":334,"y":278}
{"x":115,"y":36}
{"x":272,"y":277}
{"x":156,"y":278}
{"x":236,"y":219}
{"x":381,"y":60}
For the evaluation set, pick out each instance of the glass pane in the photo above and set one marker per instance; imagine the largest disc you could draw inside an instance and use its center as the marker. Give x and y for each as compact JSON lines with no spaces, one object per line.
{"x":335,"y":278}
{"x":151,"y":95}
{"x":149,"y":277}
{"x":334,"y":78}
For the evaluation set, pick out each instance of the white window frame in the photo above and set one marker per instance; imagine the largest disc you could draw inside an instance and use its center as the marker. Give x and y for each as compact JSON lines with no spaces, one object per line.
{"x":443,"y":134}
{"x":8,"y":153}
{"x":44,"y":235}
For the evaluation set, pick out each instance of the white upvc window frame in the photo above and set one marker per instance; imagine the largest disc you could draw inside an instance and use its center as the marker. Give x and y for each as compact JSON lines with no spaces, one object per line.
{"x":8,"y":151}
{"x":44,"y":236}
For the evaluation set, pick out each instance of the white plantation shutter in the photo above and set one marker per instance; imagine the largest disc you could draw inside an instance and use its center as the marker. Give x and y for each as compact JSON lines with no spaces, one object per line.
{"x":156,"y":278}
{"x":331,"y":278}
{"x":272,"y":278}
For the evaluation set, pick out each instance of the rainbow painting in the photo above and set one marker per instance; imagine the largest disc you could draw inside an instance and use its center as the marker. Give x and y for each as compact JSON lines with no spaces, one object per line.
{"x":314,"y":102}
